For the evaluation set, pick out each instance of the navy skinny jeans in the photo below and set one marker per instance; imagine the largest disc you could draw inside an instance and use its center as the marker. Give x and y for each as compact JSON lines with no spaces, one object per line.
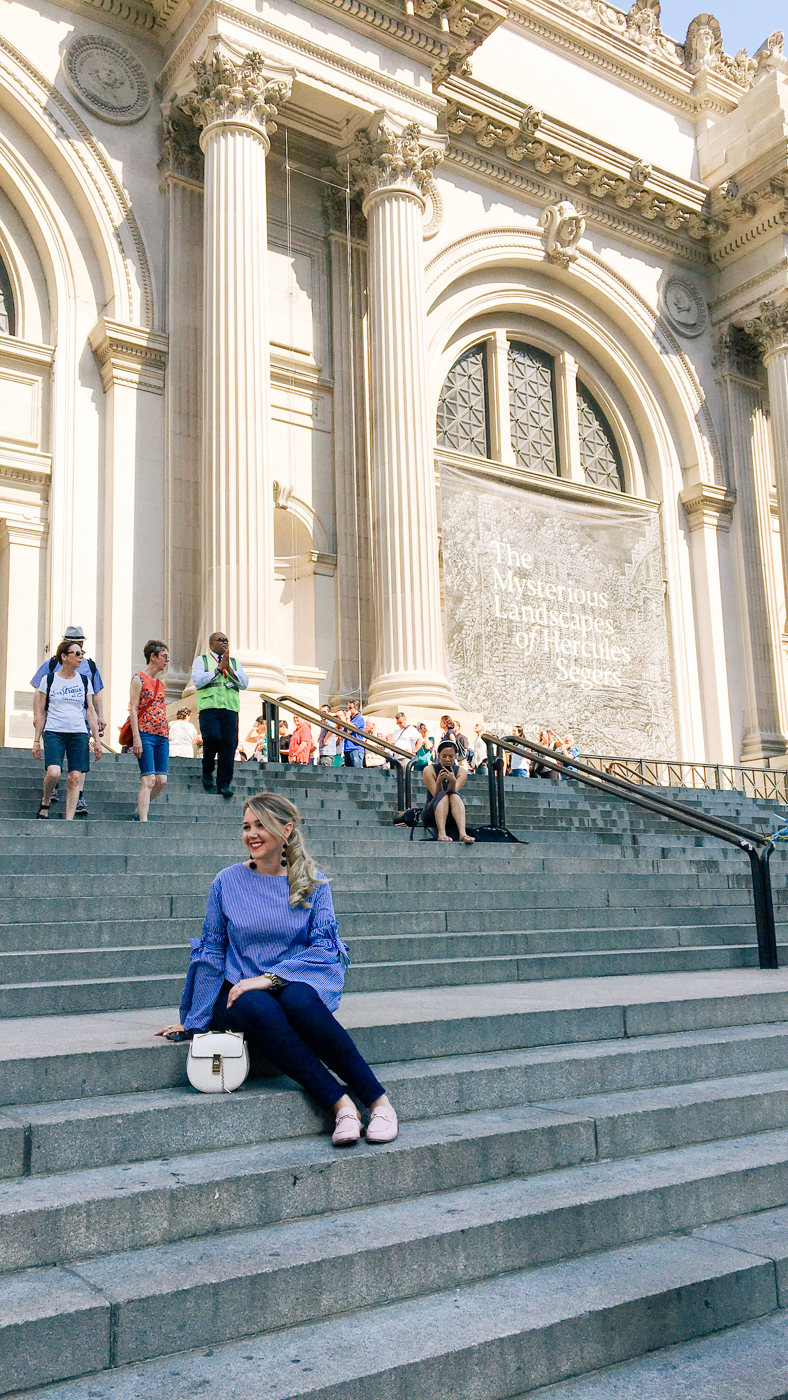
{"x":293,"y":1029}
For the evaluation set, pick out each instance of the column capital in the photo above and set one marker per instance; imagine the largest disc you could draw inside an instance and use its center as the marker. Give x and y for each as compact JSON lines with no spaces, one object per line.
{"x":236,"y":91}
{"x":129,"y":355}
{"x":770,"y":329}
{"x":32,"y":533}
{"x":708,"y":505}
{"x":385,"y":160}
{"x":737,"y":354}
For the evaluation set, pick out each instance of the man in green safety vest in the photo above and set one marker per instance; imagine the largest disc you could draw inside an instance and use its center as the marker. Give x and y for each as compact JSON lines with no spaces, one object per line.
{"x":218,"y":678}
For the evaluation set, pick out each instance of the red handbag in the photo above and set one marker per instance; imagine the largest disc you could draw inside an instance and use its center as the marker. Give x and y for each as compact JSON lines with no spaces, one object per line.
{"x":125,"y":736}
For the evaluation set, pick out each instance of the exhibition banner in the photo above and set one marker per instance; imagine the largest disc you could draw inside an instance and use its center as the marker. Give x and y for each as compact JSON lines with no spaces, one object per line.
{"x":555,"y":614}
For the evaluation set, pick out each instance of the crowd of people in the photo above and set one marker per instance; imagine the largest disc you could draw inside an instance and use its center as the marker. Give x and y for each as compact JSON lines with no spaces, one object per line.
{"x":68,"y":714}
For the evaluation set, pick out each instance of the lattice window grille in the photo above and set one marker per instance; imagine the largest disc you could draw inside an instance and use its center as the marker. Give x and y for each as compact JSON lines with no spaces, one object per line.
{"x":599,"y":456}
{"x":462,"y":409}
{"x":7,"y":317}
{"x":532,"y":409}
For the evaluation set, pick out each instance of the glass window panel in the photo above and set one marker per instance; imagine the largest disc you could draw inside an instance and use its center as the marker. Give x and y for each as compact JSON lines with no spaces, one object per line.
{"x":532,"y":408}
{"x":462,"y":408}
{"x":599,"y":455}
{"x":7,"y":318}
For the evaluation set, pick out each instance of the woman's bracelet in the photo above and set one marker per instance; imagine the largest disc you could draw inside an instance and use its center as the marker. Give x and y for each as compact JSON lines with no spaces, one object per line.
{"x":276,"y":982}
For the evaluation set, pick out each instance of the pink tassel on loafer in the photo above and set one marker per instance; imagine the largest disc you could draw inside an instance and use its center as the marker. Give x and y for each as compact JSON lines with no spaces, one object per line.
{"x":347,"y":1129}
{"x":383,"y":1125}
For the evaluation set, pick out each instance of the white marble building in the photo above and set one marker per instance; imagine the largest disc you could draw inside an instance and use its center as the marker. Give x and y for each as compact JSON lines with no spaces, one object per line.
{"x":566,"y":270}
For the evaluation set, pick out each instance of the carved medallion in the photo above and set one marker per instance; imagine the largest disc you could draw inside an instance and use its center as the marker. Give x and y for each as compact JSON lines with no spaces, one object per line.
{"x":684,"y":307}
{"x":107,"y":78}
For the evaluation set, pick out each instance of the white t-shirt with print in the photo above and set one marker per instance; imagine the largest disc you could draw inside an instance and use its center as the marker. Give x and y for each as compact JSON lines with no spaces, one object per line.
{"x":66,"y":713}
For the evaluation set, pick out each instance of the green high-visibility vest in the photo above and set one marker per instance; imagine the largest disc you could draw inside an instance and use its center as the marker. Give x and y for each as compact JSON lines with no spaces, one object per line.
{"x":221,"y":693}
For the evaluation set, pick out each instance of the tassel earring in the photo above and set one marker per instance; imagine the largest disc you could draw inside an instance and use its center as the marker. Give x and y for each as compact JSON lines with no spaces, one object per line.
{"x":284,"y":855}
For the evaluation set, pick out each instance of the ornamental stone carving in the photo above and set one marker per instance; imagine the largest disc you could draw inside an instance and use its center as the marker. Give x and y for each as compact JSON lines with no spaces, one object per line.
{"x":564,"y":228}
{"x":771,"y":328}
{"x":107,"y":78}
{"x":770,"y":54}
{"x":382,"y":159}
{"x":242,"y":93}
{"x":180,"y":146}
{"x":684,"y":307}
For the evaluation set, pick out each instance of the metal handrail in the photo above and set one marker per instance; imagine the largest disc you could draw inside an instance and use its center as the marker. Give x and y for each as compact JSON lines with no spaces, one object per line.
{"x":342,"y":731}
{"x":757,"y":846}
{"x":720,"y":777}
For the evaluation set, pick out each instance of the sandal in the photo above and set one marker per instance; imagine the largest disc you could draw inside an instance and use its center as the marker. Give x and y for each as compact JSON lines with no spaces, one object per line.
{"x":43,"y":811}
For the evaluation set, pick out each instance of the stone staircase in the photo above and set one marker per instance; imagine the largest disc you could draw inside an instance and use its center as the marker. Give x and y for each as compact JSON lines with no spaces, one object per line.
{"x":590,"y":1189}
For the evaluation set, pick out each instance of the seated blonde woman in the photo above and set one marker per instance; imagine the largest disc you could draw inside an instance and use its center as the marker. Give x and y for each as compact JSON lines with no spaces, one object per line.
{"x":444,"y":782}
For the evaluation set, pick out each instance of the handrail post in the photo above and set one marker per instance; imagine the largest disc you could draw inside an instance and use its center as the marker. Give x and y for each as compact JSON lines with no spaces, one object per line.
{"x":500,"y":767}
{"x":764,"y":907}
{"x":271,"y":713}
{"x":492,"y":787}
{"x":402,"y":801}
{"x":409,"y":783}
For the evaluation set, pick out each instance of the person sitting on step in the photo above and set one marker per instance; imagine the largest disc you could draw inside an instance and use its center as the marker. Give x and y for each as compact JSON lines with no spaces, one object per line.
{"x":271,"y":964}
{"x":444,"y":781}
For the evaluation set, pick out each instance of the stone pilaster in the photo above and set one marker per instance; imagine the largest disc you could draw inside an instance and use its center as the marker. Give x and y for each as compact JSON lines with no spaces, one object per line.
{"x":393,"y":170}
{"x":709,"y":512}
{"x":233,"y":104}
{"x":132,"y":361}
{"x":736,"y":374}
{"x":771,"y":332}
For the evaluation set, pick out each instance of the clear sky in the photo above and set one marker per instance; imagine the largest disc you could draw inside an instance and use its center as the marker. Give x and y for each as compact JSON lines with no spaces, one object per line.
{"x":744,"y":23}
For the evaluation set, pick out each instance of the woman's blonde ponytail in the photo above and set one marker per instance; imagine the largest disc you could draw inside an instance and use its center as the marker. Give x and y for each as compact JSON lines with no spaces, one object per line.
{"x":275,"y":811}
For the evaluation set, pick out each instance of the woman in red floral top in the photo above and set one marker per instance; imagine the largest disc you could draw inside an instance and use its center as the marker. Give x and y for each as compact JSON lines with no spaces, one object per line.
{"x":149,"y":726}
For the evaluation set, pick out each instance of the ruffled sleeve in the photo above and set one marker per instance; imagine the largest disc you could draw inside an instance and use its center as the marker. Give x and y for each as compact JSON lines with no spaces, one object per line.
{"x":206,"y":972}
{"x":319,"y":950}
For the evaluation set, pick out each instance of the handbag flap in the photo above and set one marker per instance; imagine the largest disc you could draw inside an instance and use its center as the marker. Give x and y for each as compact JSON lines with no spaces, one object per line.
{"x":227,"y":1043}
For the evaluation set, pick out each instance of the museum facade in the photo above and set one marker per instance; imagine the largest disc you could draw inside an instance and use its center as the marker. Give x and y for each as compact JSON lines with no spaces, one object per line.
{"x":437,"y":351}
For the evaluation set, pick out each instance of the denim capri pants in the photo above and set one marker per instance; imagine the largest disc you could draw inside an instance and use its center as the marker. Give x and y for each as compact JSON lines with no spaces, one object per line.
{"x":155,"y":757}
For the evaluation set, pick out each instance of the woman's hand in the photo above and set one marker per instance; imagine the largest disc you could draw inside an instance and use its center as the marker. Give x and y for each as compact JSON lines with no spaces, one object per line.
{"x":136,"y":746}
{"x":168,"y":1030}
{"x":37,"y":750}
{"x":247,"y":984}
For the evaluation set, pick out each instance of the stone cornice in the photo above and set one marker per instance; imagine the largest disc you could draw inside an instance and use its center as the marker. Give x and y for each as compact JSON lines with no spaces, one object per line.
{"x":262,"y":31}
{"x":631,"y":49}
{"x":129,"y":356}
{"x":707,"y":505}
{"x":526,"y":136}
{"x":750,"y":206}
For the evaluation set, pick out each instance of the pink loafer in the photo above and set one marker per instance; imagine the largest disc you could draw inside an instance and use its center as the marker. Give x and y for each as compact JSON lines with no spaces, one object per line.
{"x":347,"y":1129}
{"x":383,"y":1125}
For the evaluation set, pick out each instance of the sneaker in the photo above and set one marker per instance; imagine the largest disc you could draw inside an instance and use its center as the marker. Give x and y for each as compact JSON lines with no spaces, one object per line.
{"x":81,"y":810}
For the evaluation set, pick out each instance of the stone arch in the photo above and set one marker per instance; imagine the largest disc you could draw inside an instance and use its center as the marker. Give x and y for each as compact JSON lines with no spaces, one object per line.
{"x":492,"y":271}
{"x":69,"y":148}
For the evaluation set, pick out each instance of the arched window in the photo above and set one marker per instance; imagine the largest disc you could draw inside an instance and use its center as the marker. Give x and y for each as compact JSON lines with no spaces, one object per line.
{"x":507,"y":400}
{"x":7,"y":312}
{"x":532,"y":408}
{"x":462,"y":408}
{"x":599,"y":455}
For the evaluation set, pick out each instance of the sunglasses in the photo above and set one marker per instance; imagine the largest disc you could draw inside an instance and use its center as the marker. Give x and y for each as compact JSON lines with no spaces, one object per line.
{"x":72,"y":652}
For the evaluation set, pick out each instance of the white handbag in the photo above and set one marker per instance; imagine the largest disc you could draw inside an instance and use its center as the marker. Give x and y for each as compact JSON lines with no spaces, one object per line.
{"x":218,"y":1061}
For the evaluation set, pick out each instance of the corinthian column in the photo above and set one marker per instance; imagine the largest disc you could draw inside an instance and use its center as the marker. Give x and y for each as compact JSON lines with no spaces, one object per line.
{"x":234,"y":104}
{"x":392,"y":171}
{"x":771,"y":332}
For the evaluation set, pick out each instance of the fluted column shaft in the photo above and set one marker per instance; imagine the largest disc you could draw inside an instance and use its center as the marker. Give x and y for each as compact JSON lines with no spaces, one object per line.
{"x":741,"y":400}
{"x":771,"y":332}
{"x":410,"y":669}
{"x":233,"y":105}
